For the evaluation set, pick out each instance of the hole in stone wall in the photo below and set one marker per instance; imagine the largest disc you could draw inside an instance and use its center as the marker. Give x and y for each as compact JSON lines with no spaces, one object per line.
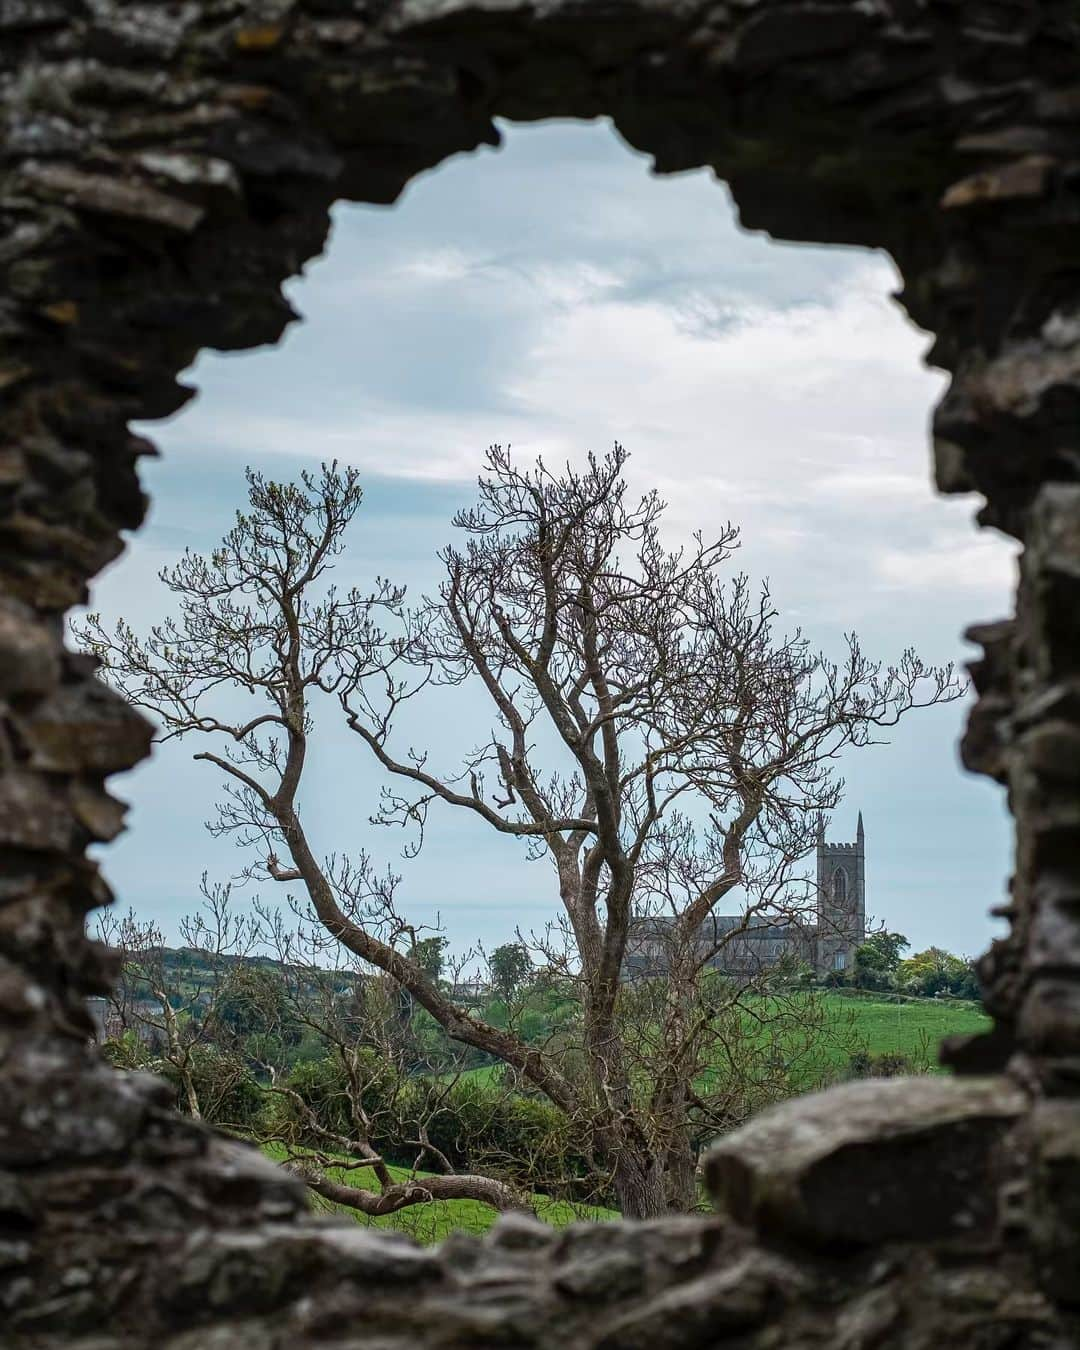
{"x":552,"y":296}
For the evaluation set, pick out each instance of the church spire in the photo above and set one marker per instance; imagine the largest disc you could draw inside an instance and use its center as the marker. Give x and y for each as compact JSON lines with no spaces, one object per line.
{"x":860,"y":834}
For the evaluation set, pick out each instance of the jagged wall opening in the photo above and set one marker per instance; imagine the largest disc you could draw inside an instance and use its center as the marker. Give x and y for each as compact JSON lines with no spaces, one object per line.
{"x":165,"y":169}
{"x":437,"y":325}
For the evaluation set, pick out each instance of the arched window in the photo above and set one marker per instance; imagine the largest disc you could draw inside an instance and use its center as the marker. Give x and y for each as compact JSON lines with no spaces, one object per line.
{"x":839,"y":886}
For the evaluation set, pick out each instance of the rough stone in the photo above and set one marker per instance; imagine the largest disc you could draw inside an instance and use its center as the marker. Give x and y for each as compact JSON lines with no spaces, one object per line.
{"x":521,"y":1232}
{"x":51,"y":1111}
{"x":1026,"y":177}
{"x":33,"y":815}
{"x":109,"y":196}
{"x":1054,"y":1207}
{"x":29,"y":654}
{"x":699,"y":1313}
{"x":607,"y":1276}
{"x":787,"y":1171}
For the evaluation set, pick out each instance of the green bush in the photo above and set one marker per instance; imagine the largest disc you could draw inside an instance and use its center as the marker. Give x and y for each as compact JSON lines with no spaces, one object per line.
{"x":935,"y":972}
{"x":228,"y":1092}
{"x":323,"y":1086}
{"x":891,"y":1064}
{"x":476,"y":1126}
{"x":522,"y":1138}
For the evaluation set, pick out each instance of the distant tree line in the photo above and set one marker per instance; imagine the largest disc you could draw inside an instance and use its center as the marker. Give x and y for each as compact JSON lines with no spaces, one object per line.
{"x":880,"y":965}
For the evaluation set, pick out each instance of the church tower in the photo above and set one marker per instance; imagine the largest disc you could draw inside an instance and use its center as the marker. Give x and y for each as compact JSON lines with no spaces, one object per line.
{"x":841,"y":899}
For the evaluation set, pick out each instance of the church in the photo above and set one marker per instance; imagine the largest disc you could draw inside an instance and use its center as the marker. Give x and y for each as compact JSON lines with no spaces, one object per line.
{"x":745,"y":944}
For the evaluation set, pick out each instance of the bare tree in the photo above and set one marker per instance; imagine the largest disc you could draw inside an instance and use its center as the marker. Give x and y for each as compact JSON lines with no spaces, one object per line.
{"x":249,"y":621}
{"x":354,"y":1011}
{"x":688,"y":750}
{"x":222,"y":1008}
{"x":169,"y":1001}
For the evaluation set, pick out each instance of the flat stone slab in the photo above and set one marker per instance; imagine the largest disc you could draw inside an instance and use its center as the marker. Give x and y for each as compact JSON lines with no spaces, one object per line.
{"x":897,"y":1159}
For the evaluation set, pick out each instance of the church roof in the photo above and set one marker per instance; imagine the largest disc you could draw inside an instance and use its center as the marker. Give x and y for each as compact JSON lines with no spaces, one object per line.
{"x":757,"y":928}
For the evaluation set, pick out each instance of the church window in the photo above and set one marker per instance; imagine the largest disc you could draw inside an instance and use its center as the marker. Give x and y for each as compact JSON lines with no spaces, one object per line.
{"x":839,"y":886}
{"x":840,"y":961}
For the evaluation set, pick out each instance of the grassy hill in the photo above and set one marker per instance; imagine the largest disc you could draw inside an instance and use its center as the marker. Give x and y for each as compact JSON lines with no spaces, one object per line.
{"x":882,"y":1024}
{"x":879,"y":1024}
{"x":911,"y":1027}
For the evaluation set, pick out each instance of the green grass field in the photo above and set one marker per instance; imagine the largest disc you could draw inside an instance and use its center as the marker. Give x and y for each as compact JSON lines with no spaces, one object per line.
{"x":486,"y":1075}
{"x":854,"y":1022}
{"x":912,"y":1028}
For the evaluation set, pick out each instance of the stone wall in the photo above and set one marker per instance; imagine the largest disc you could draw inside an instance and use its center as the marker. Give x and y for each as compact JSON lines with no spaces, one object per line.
{"x":166,"y":165}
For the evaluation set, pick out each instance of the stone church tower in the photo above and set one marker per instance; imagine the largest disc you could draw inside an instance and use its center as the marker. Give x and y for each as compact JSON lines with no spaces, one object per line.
{"x":841,"y":899}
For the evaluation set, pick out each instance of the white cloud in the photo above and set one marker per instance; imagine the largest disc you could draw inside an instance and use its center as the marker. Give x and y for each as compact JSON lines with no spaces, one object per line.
{"x":982,"y":564}
{"x":803,"y":422}
{"x":440,"y":265}
{"x":871,"y":487}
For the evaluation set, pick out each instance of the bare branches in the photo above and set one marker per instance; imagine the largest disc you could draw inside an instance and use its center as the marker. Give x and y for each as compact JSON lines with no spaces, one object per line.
{"x":653,"y":735}
{"x":248,"y":620}
{"x":361,"y":1018}
{"x":669,"y":697}
{"x":171,"y":1003}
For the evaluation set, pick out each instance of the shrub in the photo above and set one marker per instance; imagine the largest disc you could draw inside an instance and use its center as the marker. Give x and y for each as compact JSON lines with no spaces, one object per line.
{"x":891,"y":1064}
{"x":936,"y":971}
{"x":323,"y":1085}
{"x":476,"y":1126}
{"x":228,"y":1092}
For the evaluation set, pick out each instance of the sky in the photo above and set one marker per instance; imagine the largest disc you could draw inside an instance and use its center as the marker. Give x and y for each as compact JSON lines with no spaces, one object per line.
{"x":555,"y":295}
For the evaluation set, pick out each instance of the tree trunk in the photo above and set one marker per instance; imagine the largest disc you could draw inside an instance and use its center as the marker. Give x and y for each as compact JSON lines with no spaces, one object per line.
{"x":679,"y":1162}
{"x":190,"y":1094}
{"x":177,"y":1055}
{"x":419,"y":1191}
{"x":680,"y":1178}
{"x":639,"y":1186}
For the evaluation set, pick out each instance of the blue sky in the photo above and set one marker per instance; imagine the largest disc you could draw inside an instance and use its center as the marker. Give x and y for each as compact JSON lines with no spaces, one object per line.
{"x":555,"y":295}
